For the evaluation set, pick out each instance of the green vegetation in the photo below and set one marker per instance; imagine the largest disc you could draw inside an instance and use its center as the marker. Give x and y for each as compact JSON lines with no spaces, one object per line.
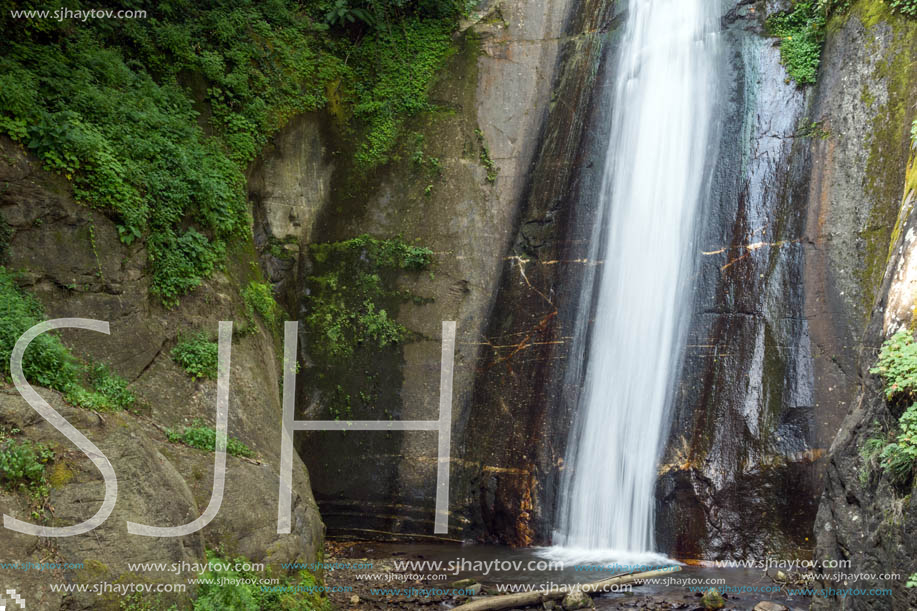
{"x":47,"y":362}
{"x":22,"y":463}
{"x":348,"y":293}
{"x":350,"y":329}
{"x":241,"y":594}
{"x":486,"y":161}
{"x":6,"y":234}
{"x":198,"y":355}
{"x":22,"y":468}
{"x":905,"y":7}
{"x":871,"y":453}
{"x":108,"y":392}
{"x":204,"y":437}
{"x":897,"y":365}
{"x":802,"y":33}
{"x":154,"y":120}
{"x":259,"y":298}
{"x":392,"y":73}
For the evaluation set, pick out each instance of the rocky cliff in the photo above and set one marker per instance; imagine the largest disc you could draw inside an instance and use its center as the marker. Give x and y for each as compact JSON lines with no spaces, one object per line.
{"x":859,"y":281}
{"x":457,"y":185}
{"x":73,"y":262}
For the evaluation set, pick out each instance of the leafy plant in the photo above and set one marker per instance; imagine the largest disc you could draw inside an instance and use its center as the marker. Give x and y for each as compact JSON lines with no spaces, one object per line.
{"x":341,"y":13}
{"x":801,"y":30}
{"x":345,"y":295}
{"x":486,"y":161}
{"x":198,"y":355}
{"x":225,"y":586}
{"x":23,"y":462}
{"x":107,"y":392}
{"x":259,"y":297}
{"x":204,"y":437}
{"x":897,"y":364}
{"x":349,"y":328}
{"x":905,"y":7}
{"x":393,"y":71}
{"x":46,"y":361}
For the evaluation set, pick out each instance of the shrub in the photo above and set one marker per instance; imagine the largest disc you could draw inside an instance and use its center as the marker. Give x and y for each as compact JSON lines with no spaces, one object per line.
{"x":203,"y":437}
{"x":802,"y":33}
{"x":897,"y":364}
{"x":198,"y":355}
{"x":393,"y":71}
{"x":241,"y":594}
{"x":107,"y":391}
{"x":46,"y":361}
{"x":22,"y":463}
{"x":259,"y":297}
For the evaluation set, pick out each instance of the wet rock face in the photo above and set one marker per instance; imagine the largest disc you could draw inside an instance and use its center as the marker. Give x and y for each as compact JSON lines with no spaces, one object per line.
{"x":861,"y":517}
{"x":499,"y":87}
{"x":523,"y":401}
{"x":288,"y":186}
{"x":772,"y":364}
{"x":737,"y":476}
{"x":73,"y":262}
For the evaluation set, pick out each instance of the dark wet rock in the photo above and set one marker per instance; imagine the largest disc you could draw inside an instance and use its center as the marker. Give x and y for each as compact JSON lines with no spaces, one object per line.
{"x":738,"y":476}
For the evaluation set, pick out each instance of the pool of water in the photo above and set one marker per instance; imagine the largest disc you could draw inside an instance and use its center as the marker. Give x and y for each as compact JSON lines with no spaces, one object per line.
{"x":496,"y":566}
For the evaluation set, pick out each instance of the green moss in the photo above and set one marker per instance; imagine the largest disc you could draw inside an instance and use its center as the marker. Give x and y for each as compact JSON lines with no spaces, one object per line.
{"x":889,"y":147}
{"x":60,"y":476}
{"x":93,"y":571}
{"x":259,"y":298}
{"x":350,"y":300}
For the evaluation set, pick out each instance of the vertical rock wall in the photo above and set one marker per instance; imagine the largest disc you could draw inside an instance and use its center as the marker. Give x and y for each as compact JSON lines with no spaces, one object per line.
{"x":859,"y":282}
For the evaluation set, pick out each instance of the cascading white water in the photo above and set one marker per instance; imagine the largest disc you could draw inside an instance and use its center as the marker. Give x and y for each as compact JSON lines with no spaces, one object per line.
{"x":654,"y":176}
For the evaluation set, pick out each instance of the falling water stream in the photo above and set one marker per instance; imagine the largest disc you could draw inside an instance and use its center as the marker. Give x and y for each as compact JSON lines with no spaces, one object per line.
{"x":650,"y":203}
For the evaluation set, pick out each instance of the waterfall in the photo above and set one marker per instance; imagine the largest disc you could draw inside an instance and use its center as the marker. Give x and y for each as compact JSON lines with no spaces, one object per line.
{"x":652,"y":194}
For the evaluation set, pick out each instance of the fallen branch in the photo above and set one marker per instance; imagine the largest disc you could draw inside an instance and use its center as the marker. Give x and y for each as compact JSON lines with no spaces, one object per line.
{"x":526,"y":599}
